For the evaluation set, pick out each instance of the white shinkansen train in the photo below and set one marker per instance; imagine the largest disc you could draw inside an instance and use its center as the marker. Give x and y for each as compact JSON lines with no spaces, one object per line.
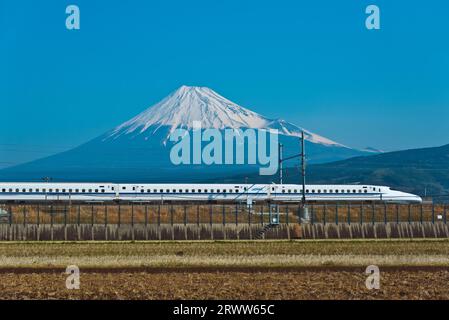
{"x":104,"y":192}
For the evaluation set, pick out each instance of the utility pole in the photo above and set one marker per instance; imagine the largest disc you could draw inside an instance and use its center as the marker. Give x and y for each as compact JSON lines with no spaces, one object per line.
{"x":280,"y":163}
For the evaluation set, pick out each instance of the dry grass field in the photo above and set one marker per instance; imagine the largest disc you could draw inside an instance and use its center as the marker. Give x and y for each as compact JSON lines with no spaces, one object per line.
{"x":203,"y":213}
{"x":416,"y":269}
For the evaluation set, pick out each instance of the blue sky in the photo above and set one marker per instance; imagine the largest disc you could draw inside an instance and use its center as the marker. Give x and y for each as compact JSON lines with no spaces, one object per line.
{"x":311,"y":62}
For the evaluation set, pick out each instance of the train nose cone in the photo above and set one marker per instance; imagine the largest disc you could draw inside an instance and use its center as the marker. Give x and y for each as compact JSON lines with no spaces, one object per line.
{"x":414,"y":198}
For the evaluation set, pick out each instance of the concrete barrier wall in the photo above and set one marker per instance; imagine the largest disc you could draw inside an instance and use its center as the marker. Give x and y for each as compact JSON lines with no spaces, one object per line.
{"x":74,"y":232}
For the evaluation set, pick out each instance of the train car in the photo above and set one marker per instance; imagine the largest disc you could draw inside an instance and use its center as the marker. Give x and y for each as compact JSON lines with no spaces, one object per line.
{"x":105,"y":192}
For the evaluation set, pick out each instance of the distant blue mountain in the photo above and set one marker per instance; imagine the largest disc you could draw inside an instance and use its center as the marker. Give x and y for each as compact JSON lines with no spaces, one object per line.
{"x":139,"y":149}
{"x":418,"y":171}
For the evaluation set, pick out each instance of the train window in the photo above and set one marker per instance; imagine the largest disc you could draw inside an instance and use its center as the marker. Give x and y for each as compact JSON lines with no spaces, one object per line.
{"x":96,"y":190}
{"x":313,"y":190}
{"x":272,"y":189}
{"x":84,"y":190}
{"x":44,"y":190}
{"x":295,"y":191}
{"x":30,"y":190}
{"x":70,"y":190}
{"x":3,"y":190}
{"x":134,"y":188}
{"x":336,"y":191}
{"x":193,"y":190}
{"x":148,"y":190}
{"x":167,"y":191}
{"x":50,"y":190}
{"x":211,"y":190}
{"x":63,"y":190}
{"x":319,"y":191}
{"x":142,"y":191}
{"x":366,"y":191}
{"x":155,"y":190}
{"x":180,"y":190}
{"x":90,"y":190}
{"x":218,"y":190}
{"x":199,"y":190}
{"x":245,"y":188}
{"x":224,"y":190}
{"x":324,"y":191}
{"x":230,"y":190}
{"x":289,"y":191}
{"x":283,"y":191}
{"x":77,"y":190}
{"x":102,"y":190}
{"x":10,"y":190}
{"x":353,"y":191}
{"x":174,"y":190}
{"x":123,"y":188}
{"x":307,"y":190}
{"x":23,"y":190}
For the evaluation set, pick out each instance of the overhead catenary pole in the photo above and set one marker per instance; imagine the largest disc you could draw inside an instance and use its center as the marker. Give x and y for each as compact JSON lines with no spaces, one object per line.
{"x":280,"y":163}
{"x":304,"y":211}
{"x":303,"y":170}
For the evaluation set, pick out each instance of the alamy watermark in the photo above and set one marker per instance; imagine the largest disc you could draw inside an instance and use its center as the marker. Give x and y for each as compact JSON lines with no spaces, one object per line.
{"x":373,"y":280}
{"x":226,"y":146}
{"x":72,"y":21}
{"x":372,"y":22}
{"x":73,"y":280}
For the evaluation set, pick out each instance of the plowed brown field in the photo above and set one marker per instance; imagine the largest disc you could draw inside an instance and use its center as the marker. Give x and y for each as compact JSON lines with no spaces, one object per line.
{"x":226,"y":270}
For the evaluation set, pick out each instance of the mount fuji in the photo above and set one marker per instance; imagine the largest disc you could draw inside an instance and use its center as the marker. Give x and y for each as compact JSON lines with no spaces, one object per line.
{"x":139,"y":149}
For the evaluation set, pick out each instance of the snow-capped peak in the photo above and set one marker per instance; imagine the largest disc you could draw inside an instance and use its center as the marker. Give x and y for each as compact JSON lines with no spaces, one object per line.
{"x":188,"y":104}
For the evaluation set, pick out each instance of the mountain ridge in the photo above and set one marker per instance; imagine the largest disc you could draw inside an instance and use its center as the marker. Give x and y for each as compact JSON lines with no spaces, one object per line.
{"x":189,"y":103}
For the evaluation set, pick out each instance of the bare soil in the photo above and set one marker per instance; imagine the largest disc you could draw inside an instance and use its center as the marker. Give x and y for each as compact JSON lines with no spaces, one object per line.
{"x":425,"y":284}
